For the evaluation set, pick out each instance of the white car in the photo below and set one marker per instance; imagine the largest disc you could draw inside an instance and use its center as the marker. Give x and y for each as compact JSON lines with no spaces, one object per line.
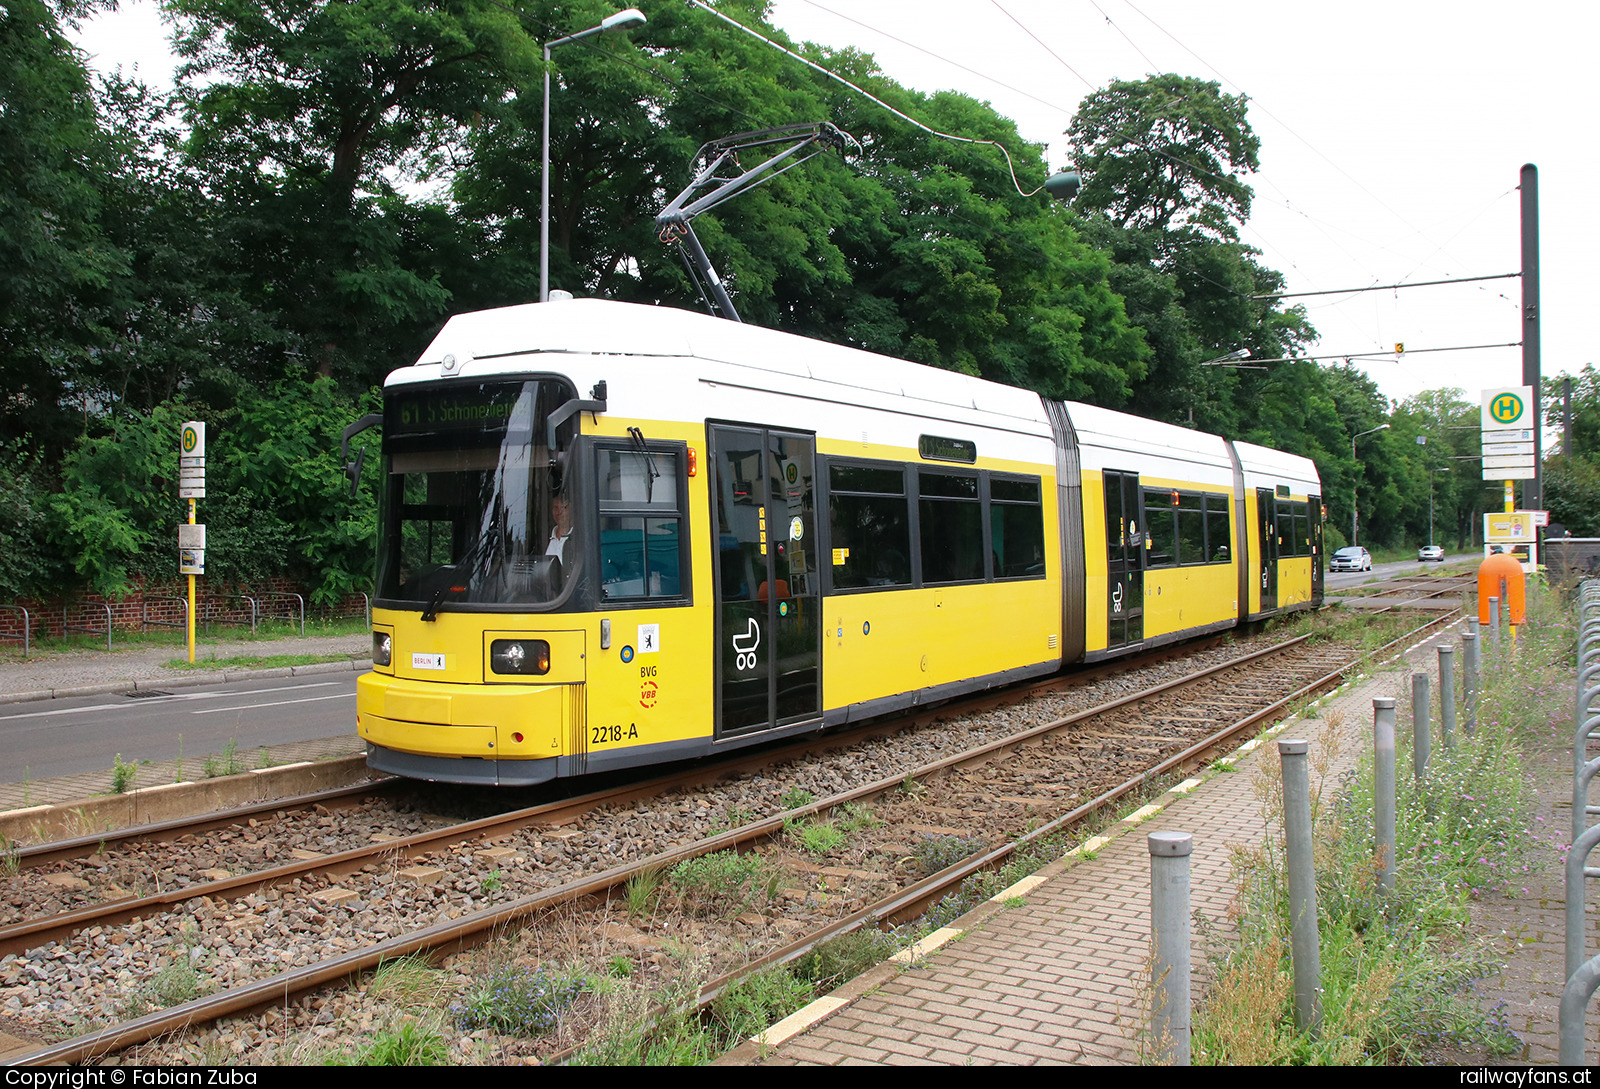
{"x":1353,"y":558}
{"x":1430,"y":552}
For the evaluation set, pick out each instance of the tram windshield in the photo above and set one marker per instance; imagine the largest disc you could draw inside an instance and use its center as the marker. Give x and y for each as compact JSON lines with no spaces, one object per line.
{"x":475,"y":510}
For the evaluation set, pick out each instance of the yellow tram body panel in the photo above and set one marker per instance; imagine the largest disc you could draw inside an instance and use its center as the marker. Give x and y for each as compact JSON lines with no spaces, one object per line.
{"x":1096,"y":623}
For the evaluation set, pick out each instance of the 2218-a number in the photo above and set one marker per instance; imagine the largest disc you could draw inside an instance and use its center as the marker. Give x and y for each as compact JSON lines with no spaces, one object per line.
{"x":604,"y":734}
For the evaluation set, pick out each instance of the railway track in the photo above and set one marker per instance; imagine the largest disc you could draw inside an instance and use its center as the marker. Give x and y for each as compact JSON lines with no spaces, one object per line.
{"x":553,"y":856}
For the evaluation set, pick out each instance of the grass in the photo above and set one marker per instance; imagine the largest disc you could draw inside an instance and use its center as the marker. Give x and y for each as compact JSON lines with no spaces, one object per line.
{"x":248,"y":661}
{"x":408,"y":1042}
{"x":1398,"y":969}
{"x":816,"y":837}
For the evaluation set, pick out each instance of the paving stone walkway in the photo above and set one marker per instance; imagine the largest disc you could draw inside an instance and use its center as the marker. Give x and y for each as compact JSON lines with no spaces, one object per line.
{"x":1062,"y":978}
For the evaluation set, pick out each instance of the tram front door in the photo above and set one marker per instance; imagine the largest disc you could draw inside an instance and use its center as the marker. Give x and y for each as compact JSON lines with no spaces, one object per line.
{"x":768,"y":629}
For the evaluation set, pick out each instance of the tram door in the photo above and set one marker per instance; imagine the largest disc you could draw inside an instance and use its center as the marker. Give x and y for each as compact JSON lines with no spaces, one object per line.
{"x":768,"y":623}
{"x":1267,"y":516}
{"x":1318,"y":560}
{"x":1124,"y":560}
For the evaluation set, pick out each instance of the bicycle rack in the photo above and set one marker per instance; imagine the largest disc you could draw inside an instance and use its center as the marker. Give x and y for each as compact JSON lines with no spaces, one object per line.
{"x":66,"y":626}
{"x":255,"y":611}
{"x":300,"y":602}
{"x":27,"y":626}
{"x":144,"y":613}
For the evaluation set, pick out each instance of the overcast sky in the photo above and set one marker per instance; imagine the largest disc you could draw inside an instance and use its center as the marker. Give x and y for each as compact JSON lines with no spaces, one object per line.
{"x":1392,"y":135}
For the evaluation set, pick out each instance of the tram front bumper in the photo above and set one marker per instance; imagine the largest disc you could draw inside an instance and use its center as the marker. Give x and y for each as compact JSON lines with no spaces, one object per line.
{"x":485,"y":721}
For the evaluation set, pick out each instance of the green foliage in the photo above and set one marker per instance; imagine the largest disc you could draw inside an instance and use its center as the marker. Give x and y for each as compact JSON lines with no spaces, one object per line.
{"x":817,"y":837}
{"x":721,"y":882}
{"x":409,"y":1043}
{"x":934,"y":853}
{"x":797,"y":797}
{"x":27,"y":563}
{"x":122,"y":775}
{"x":225,"y":763}
{"x":516,"y":1000}
{"x":1397,"y":969}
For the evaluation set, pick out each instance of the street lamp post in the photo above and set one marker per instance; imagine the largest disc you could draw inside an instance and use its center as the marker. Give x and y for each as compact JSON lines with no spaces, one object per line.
{"x":1355,"y":489}
{"x":621,"y":20}
{"x":1446,"y":469}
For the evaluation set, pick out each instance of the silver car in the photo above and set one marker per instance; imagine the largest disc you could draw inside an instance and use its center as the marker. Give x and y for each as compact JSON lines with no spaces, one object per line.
{"x":1353,"y":558}
{"x":1430,"y":553}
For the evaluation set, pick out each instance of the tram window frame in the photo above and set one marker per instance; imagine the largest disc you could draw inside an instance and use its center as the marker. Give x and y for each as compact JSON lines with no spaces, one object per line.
{"x":1206,"y":514}
{"x":1295,"y":541}
{"x":647,"y":513}
{"x":943,"y":532}
{"x":885,"y":500}
{"x":1001,"y":509}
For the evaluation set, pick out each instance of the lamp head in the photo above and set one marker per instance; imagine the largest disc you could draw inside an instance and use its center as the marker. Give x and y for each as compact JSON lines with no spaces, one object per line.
{"x":1064,"y":184}
{"x":623,"y":19}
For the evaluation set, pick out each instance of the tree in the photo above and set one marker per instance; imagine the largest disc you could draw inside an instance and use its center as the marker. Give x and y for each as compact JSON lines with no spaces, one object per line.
{"x":1165,"y":152}
{"x":1163,"y":194}
{"x":58,"y":272}
{"x":303,"y":116}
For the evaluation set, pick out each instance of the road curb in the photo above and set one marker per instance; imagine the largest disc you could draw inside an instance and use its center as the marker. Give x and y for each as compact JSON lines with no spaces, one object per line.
{"x":150,"y":684}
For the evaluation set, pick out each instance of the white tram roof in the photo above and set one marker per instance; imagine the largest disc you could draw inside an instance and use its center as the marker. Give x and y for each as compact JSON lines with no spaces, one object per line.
{"x":485,"y":341}
{"x":1265,"y":467}
{"x":1115,"y":440}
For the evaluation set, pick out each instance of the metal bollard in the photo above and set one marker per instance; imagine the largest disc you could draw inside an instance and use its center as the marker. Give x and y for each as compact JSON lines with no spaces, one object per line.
{"x":1447,"y":696}
{"x":1469,"y":682}
{"x":1421,"y":742}
{"x":1383,"y":790}
{"x":1169,"y":928}
{"x":1304,"y":944}
{"x":1494,"y":623}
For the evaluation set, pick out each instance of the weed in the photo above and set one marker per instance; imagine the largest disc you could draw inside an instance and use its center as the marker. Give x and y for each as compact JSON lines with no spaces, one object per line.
{"x":122,"y":775}
{"x":410,"y":1043}
{"x":797,"y":797}
{"x":852,"y":817}
{"x":492,"y":882}
{"x":410,"y":981}
{"x":817,"y":837}
{"x":723,"y":881}
{"x":264,"y":760}
{"x":176,"y":983}
{"x":1014,"y":901}
{"x":642,"y":890}
{"x":845,"y":957}
{"x":934,"y":853}
{"x":911,"y":787}
{"x":27,"y":785}
{"x":619,"y":966}
{"x":177,"y":776}
{"x":10,"y":857}
{"x":516,"y":1000}
{"x":225,"y":763}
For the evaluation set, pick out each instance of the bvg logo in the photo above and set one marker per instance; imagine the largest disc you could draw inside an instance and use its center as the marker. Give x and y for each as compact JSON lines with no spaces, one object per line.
{"x":1506,"y":408}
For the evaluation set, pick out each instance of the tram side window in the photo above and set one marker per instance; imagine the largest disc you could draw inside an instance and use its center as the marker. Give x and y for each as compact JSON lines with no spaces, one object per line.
{"x":1219,"y":529}
{"x":951,"y":527}
{"x":1016,"y":527}
{"x":1294,"y":528}
{"x":641,"y":524}
{"x":1161,"y":525}
{"x":870,"y":522}
{"x":1191,"y":529}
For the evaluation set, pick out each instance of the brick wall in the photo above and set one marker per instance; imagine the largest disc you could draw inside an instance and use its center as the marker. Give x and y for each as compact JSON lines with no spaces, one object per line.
{"x":156,"y":605}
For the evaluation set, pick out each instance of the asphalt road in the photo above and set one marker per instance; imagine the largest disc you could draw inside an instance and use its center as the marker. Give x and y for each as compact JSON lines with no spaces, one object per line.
{"x":1333,"y":583}
{"x":46,"y":739}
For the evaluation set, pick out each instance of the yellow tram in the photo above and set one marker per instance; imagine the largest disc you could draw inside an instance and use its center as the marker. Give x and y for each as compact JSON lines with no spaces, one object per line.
{"x":615,"y":535}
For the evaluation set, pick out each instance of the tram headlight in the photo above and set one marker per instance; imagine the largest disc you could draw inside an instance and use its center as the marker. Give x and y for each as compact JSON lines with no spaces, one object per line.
{"x":528,"y":657}
{"x":382,"y":648}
